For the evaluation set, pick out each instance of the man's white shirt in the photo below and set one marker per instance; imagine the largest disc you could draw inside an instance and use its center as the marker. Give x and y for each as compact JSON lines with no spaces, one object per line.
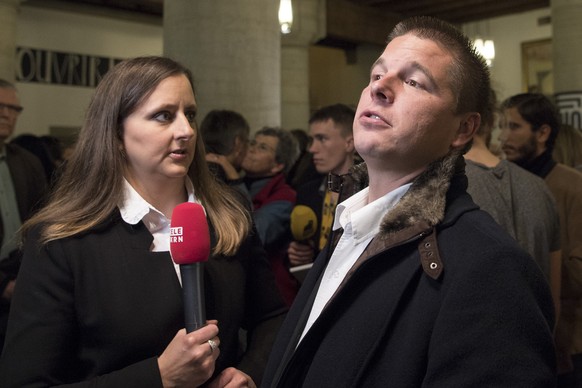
{"x":361,"y":222}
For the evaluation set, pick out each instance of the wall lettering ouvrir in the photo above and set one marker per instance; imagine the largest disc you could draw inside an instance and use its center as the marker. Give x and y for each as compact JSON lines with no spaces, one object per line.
{"x":61,"y":68}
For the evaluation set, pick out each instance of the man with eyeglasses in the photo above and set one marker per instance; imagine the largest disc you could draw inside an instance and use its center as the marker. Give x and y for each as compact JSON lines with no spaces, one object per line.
{"x":22,"y":185}
{"x":271,"y":154}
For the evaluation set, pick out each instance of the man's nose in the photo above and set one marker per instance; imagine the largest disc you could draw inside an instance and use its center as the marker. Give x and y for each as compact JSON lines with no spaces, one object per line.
{"x":383,"y":89}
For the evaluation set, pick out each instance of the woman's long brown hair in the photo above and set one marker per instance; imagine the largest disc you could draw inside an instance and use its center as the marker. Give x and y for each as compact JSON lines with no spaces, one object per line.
{"x":91,"y":186}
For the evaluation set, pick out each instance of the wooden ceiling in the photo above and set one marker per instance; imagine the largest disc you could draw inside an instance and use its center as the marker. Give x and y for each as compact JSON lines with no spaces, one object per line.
{"x":454,"y":11}
{"x":349,"y":22}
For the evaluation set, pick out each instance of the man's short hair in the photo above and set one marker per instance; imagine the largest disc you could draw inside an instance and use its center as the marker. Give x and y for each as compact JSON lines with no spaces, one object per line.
{"x":342,"y":115}
{"x":220,"y":128}
{"x":287,"y":150}
{"x":537,"y":110}
{"x":470,"y":78}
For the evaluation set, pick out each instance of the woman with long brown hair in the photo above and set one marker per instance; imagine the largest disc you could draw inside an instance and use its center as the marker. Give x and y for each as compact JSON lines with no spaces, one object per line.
{"x":98,"y":299}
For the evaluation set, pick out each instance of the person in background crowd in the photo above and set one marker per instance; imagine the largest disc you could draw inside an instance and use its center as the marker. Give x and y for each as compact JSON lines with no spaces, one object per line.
{"x":37,"y":146}
{"x":54,"y":147}
{"x":529,"y":127}
{"x":419,"y":287}
{"x":226,"y":137}
{"x":98,"y":300}
{"x":332,"y":148}
{"x":303,"y":169}
{"x":22,"y":187}
{"x":68,"y":147}
{"x":271,"y":154}
{"x":568,"y":147}
{"x":518,"y":200}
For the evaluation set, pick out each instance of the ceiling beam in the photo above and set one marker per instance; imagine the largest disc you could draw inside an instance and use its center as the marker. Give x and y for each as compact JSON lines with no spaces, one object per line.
{"x":455,"y":11}
{"x":355,"y":23}
{"x":487,"y":11}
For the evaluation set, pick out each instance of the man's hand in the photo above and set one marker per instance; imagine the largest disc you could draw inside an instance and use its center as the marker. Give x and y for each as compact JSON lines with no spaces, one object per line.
{"x":229,"y":170}
{"x":232,"y":378}
{"x":300,"y":254}
{"x":9,"y":290}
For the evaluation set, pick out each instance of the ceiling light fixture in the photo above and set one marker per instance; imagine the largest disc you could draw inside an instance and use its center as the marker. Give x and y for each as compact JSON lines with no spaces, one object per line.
{"x":285,"y":16}
{"x":486,"y":48}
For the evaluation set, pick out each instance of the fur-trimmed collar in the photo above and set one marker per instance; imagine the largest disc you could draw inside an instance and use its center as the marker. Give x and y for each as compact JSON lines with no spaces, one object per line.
{"x":424,"y":202}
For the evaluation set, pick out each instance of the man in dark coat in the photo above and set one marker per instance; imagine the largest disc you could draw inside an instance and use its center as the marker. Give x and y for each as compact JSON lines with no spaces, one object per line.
{"x":418,"y":287}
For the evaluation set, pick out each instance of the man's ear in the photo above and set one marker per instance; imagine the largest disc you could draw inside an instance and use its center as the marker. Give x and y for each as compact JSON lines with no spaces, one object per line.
{"x":350,"y":143}
{"x":239,"y":146}
{"x":467,"y":128}
{"x":277,"y":168}
{"x":543,"y":134}
{"x":237,"y":142}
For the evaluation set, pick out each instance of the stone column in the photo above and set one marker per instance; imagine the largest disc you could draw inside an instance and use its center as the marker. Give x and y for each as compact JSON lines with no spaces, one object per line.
{"x":308,"y":27}
{"x":8,"y":20}
{"x":567,"y":59}
{"x":234,"y":51}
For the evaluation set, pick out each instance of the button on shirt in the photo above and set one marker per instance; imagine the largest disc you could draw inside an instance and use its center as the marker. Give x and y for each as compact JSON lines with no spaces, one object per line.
{"x":361,"y":222}
{"x":136,"y":209}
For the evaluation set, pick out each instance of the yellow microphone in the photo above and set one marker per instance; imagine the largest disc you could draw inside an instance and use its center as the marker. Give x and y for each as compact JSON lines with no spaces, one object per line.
{"x":303,"y":223}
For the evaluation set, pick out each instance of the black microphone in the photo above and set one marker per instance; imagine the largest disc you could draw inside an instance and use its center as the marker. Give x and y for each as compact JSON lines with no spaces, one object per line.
{"x":190,"y":248}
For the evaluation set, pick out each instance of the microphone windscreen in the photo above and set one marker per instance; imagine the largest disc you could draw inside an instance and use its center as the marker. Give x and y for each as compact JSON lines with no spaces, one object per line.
{"x":189,"y":236}
{"x":303,"y":223}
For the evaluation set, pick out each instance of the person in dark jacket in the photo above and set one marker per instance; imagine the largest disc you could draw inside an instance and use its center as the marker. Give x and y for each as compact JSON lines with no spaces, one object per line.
{"x":226,"y":137}
{"x":22,"y":187}
{"x":98,"y":302}
{"x":417,"y":287}
{"x":332,"y":148}
{"x":271,"y":153}
{"x":529,"y":129}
